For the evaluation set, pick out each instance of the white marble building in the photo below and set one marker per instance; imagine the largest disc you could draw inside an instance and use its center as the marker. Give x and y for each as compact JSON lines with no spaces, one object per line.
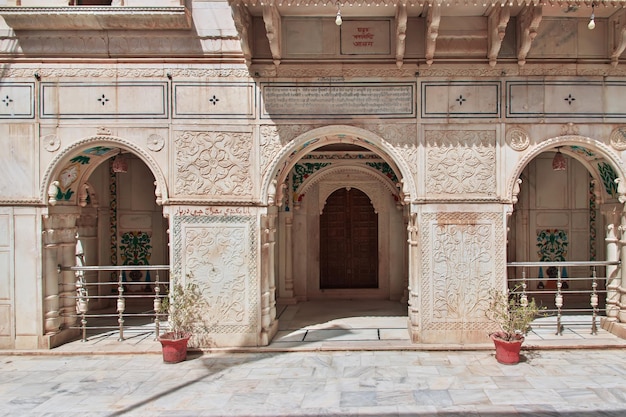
{"x":275,"y":155}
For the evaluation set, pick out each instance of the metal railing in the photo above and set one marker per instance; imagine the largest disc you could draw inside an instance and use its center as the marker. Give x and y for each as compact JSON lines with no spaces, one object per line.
{"x":574,"y":289}
{"x":119,"y":294}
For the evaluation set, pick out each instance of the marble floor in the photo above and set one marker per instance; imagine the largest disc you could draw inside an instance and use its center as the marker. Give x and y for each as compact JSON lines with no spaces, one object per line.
{"x":574,"y":383}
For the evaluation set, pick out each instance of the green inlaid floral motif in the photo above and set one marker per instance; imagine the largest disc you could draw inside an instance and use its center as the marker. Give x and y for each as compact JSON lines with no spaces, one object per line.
{"x":608,"y":178}
{"x":303,"y":171}
{"x":135,"y":248}
{"x":385,"y":169}
{"x":552,"y":245}
{"x":82,"y":159}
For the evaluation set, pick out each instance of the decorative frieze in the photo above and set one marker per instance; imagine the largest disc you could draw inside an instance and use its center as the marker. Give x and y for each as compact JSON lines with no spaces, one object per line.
{"x":460,"y":163}
{"x":213,"y":164}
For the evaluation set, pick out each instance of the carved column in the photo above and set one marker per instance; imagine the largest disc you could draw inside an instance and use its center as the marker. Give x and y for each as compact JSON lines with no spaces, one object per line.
{"x":288,"y":290}
{"x":612,"y":273}
{"x":59,"y":241}
{"x":621,"y":277}
{"x":414,"y":272}
{"x":268,"y":286}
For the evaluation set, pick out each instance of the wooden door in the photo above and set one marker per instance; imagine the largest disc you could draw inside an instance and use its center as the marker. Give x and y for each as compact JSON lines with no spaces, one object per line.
{"x":348,"y":241}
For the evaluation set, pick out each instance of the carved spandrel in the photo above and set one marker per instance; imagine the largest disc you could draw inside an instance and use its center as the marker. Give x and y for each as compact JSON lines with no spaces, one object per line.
{"x":213,"y":164}
{"x":460,"y":162}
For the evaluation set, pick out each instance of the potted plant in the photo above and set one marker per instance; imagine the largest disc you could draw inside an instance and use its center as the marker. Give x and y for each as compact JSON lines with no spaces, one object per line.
{"x":186,"y":308}
{"x":513,"y":313}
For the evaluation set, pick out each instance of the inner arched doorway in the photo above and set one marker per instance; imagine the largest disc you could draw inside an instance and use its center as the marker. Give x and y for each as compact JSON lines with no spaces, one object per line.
{"x":348,"y":241}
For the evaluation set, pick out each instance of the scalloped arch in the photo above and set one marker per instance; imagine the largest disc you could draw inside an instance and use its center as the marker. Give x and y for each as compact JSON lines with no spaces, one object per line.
{"x":290,"y":154}
{"x":603,"y":150}
{"x":333,"y":171}
{"x":55,"y":166}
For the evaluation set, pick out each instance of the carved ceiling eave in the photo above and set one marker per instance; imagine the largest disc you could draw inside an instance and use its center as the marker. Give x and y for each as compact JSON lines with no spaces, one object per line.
{"x":97,"y":18}
{"x":309,"y":3}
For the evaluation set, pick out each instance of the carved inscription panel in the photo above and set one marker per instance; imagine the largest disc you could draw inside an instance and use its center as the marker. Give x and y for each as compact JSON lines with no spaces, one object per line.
{"x":339,"y":100}
{"x":213,"y":164}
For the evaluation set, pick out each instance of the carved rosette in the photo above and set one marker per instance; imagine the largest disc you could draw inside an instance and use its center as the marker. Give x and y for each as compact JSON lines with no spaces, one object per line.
{"x":461,"y":163}
{"x":155,"y":142}
{"x":464,"y":257}
{"x":517,"y":138}
{"x":52,"y":143}
{"x":218,"y":253}
{"x":618,"y":138}
{"x":213,"y":164}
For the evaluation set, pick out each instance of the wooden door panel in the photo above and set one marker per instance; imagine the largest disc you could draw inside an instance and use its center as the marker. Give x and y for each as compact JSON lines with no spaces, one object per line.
{"x":348,"y":241}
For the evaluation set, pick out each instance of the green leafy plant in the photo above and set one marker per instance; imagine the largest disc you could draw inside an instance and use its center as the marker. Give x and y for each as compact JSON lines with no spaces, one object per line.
{"x":186,"y":308}
{"x":513,"y":313}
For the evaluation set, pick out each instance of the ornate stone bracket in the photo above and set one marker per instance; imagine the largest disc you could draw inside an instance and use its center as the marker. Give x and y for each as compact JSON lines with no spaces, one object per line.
{"x":271,"y":17}
{"x":432,"y":31}
{"x":498,"y":21}
{"x":619,"y":36}
{"x":242,"y":19}
{"x":401,"y":19}
{"x":529,"y":24}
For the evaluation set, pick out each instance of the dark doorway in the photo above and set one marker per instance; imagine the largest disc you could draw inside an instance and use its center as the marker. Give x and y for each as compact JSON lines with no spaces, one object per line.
{"x":348,"y":241}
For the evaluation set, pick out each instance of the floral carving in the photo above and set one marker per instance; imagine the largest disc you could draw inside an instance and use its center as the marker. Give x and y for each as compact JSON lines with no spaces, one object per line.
{"x":464,"y":253}
{"x":270,"y":146}
{"x":460,"y":162}
{"x":218,"y":255}
{"x":213,"y":163}
{"x":467,"y":250}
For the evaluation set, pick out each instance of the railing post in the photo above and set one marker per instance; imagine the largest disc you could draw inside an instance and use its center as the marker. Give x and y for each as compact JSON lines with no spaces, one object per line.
{"x":558,"y":302}
{"x":594,"y":301}
{"x":157,"y":306}
{"x":121,"y":306}
{"x":612,"y":273}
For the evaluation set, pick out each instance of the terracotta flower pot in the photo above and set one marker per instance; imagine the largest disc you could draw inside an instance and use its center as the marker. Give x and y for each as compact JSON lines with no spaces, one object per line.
{"x":174,"y":349}
{"x":507,"y":352}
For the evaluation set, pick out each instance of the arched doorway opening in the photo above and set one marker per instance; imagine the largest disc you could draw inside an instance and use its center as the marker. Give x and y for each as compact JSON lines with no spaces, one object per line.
{"x":567,"y":197}
{"x":102,"y":212}
{"x":343,"y":184}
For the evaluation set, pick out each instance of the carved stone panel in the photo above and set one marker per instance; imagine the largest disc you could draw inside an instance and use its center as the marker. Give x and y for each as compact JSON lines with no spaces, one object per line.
{"x":213,"y":164}
{"x":219,"y":254}
{"x":464,"y":258}
{"x":460,"y":164}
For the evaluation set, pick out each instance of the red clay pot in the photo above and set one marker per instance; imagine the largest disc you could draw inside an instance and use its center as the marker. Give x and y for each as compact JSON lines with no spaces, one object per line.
{"x":507,"y":352}
{"x":174,"y":349}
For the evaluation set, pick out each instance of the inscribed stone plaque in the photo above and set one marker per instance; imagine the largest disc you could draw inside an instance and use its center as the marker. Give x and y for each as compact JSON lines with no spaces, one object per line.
{"x":339,"y":100}
{"x":365,"y":37}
